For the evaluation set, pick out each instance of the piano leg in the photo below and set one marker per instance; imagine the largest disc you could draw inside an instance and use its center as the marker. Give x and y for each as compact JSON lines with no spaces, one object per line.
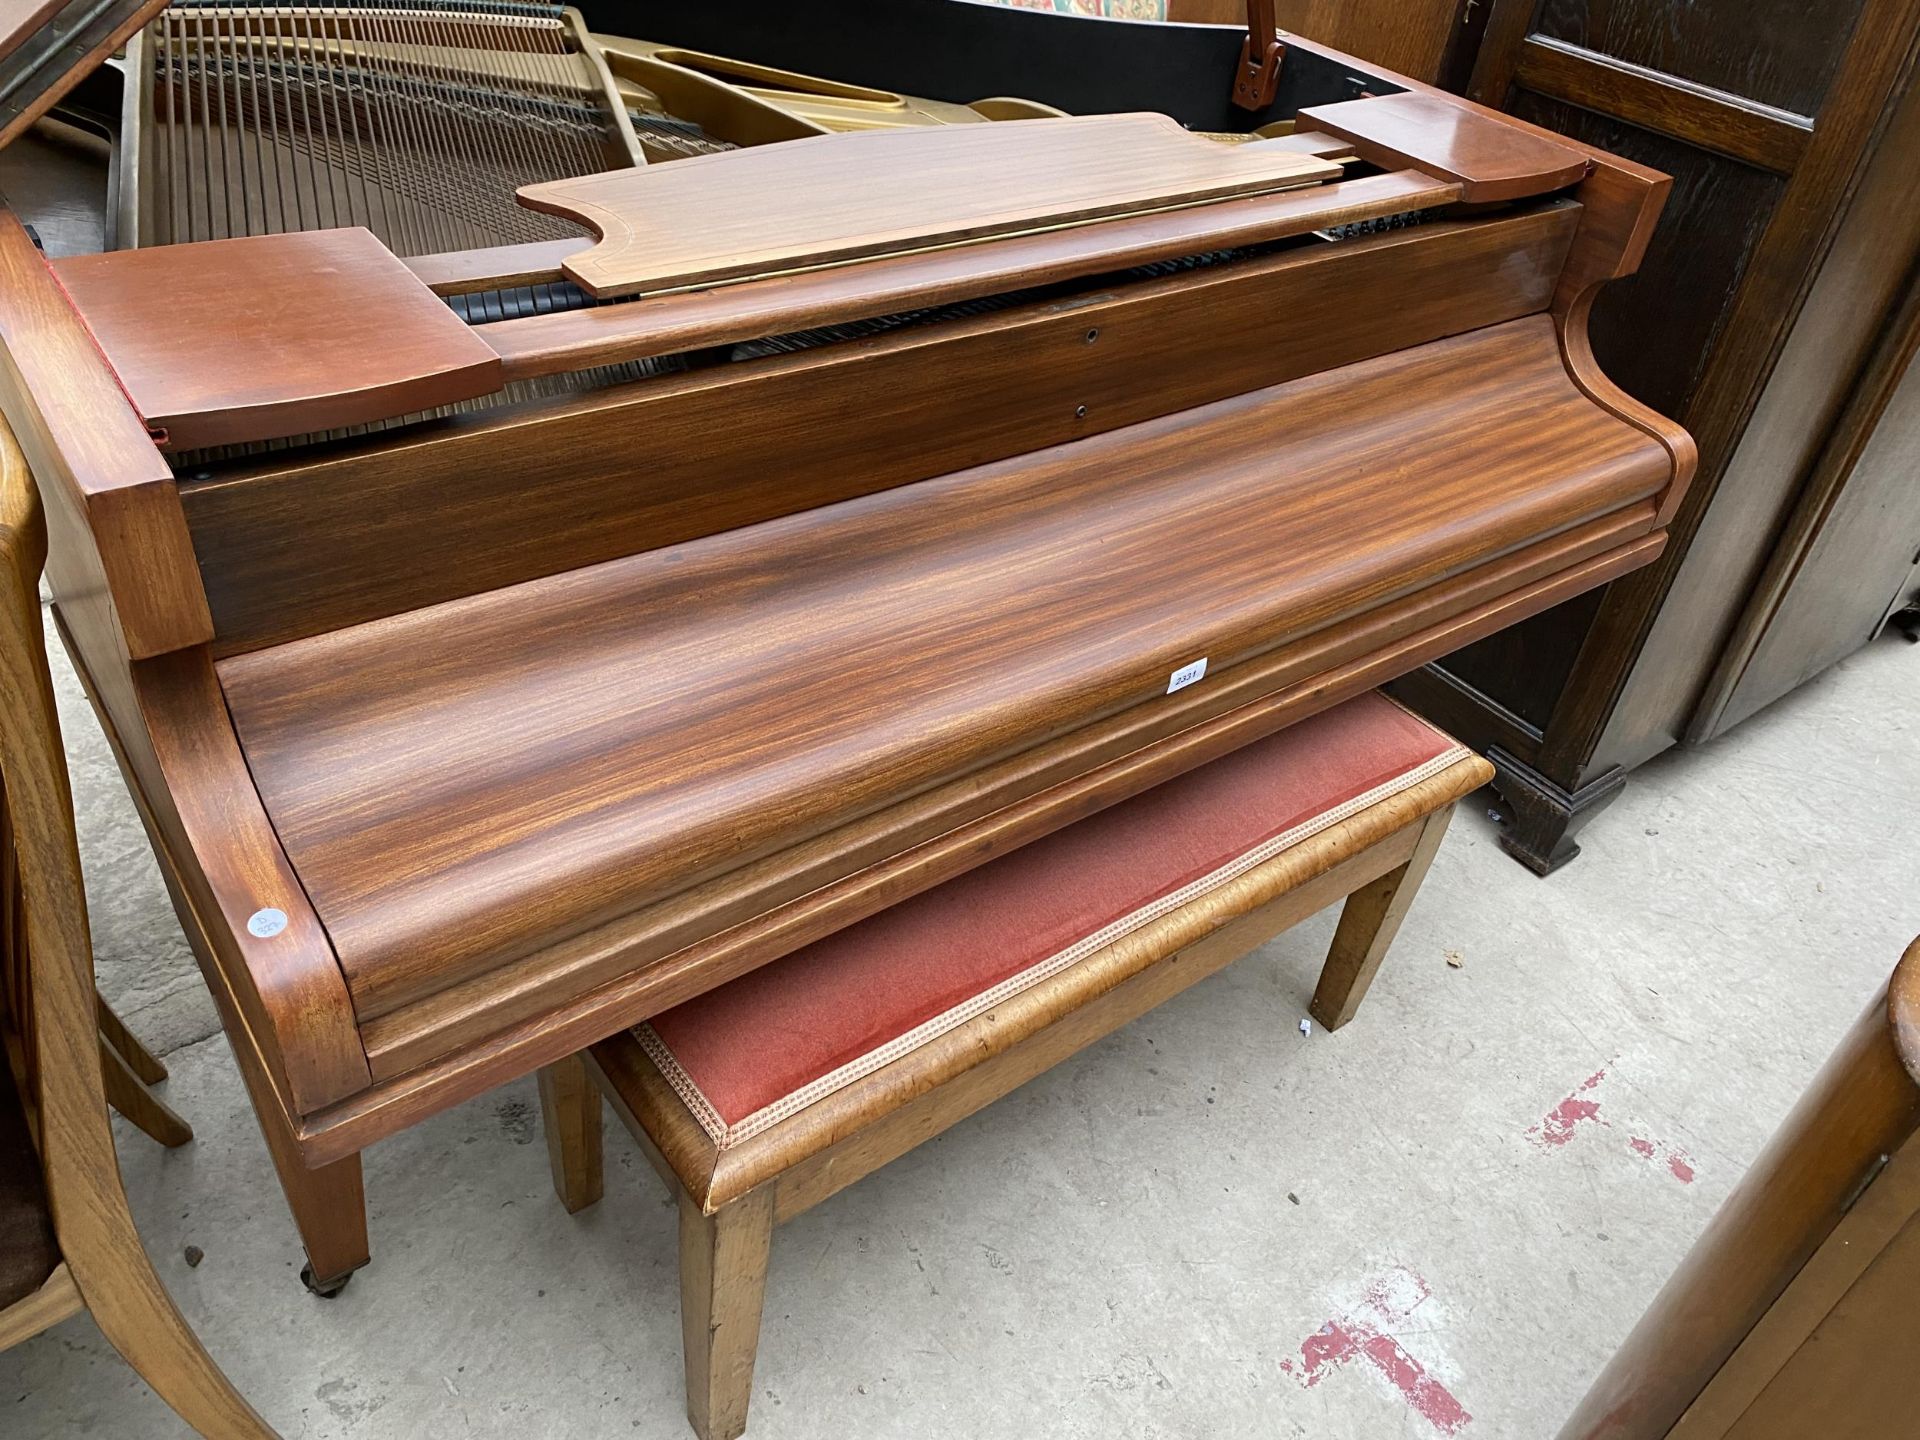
{"x":570,"y":1116}
{"x":330,"y":1209}
{"x":329,"y":1203}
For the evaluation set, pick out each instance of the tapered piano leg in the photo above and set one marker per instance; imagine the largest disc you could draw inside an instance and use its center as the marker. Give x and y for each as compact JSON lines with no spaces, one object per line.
{"x":329,"y":1205}
{"x":570,"y":1114}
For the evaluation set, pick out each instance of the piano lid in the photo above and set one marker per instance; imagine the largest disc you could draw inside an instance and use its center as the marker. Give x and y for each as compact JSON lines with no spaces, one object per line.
{"x":47,"y":48}
{"x":838,"y":199}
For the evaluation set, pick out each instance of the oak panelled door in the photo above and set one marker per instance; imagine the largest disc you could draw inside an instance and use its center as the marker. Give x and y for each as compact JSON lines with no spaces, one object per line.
{"x":1766,"y":113}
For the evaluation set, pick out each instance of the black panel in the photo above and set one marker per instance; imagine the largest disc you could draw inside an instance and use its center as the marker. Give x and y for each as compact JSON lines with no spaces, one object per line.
{"x":1712,"y":42}
{"x":1653,"y":331}
{"x":966,"y":50}
{"x":1527,"y":665}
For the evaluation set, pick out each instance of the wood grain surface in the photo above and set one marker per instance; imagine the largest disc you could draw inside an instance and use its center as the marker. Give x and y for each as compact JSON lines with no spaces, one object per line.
{"x":482,"y":667}
{"x":832,"y":199}
{"x":117,"y":545}
{"x":661,"y":325}
{"x":120,"y":553}
{"x":231,"y":341}
{"x":556,"y":765}
{"x":1730,"y":125}
{"x":552,"y":1004}
{"x":49,"y":1006}
{"x":317,"y":542}
{"x":1490,"y":160}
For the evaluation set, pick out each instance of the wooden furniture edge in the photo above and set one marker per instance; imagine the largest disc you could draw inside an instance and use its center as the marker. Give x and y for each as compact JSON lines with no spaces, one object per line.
{"x":491,"y":267}
{"x":383,"y":501}
{"x":1863,"y":1102}
{"x":116,"y":510}
{"x":316,"y":1058}
{"x":1903,"y":1010}
{"x":391,"y":1105}
{"x":328,"y":1205}
{"x":1376,"y":840}
{"x":50,"y":964}
{"x":688,"y":1161}
{"x":295,"y":1009}
{"x":1559,"y":164}
{"x":1889,"y":1206}
{"x":1576,"y":348}
{"x":1622,"y":197}
{"x":797,"y":879}
{"x":57,"y":1299}
{"x":1757,"y":134}
{"x":617,"y":205}
{"x":665,"y":324}
{"x":204,"y":349}
{"x":1854,"y":430}
{"x":75,"y":68}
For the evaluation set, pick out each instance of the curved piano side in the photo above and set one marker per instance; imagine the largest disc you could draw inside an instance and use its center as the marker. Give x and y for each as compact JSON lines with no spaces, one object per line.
{"x":128,"y":597}
{"x":1620,"y":202}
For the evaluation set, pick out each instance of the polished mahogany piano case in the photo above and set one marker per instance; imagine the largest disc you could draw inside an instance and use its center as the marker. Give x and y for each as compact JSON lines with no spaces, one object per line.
{"x":476,"y":718}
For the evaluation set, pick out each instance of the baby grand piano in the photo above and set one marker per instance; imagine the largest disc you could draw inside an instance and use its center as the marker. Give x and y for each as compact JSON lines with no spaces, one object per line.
{"x":506,"y":643}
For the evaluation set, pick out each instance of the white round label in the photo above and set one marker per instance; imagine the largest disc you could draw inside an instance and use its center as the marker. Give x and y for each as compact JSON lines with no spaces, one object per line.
{"x":266,"y":924}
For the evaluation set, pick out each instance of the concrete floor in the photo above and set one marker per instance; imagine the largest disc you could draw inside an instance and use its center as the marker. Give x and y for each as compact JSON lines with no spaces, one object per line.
{"x":1142,"y":1242}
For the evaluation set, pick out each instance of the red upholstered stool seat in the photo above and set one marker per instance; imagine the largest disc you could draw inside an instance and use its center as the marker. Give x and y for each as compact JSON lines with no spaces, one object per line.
{"x":753,"y":1052}
{"x":767,"y":1095}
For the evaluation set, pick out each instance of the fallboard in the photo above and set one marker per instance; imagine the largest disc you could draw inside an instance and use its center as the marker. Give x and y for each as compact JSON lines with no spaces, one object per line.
{"x":320,"y":541}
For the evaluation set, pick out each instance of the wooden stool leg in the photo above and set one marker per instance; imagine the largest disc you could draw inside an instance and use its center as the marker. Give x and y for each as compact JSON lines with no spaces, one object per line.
{"x":131,"y":1098}
{"x":570,"y":1111}
{"x":1368,"y":922}
{"x":723,"y":1280}
{"x":139,"y":1059}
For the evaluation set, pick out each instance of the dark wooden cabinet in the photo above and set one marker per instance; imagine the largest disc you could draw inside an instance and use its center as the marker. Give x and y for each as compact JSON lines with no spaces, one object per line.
{"x":1773,"y":317}
{"x":1848,"y":555}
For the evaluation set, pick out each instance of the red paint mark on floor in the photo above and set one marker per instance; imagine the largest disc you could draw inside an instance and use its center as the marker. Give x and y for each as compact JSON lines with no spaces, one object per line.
{"x":1558,"y":1125}
{"x":1333,"y":1344}
{"x":1363,"y":1335}
{"x":1679,"y":1163}
{"x":1428,"y":1397}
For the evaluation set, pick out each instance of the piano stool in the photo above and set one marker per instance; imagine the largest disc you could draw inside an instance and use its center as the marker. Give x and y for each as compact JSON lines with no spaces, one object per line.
{"x":761,"y":1098}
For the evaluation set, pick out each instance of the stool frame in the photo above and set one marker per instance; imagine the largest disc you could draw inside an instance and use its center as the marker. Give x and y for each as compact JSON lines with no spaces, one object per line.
{"x":731,"y":1200}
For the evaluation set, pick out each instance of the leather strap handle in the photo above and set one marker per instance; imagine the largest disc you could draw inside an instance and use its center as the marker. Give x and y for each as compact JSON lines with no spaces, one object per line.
{"x":1257,"y":80}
